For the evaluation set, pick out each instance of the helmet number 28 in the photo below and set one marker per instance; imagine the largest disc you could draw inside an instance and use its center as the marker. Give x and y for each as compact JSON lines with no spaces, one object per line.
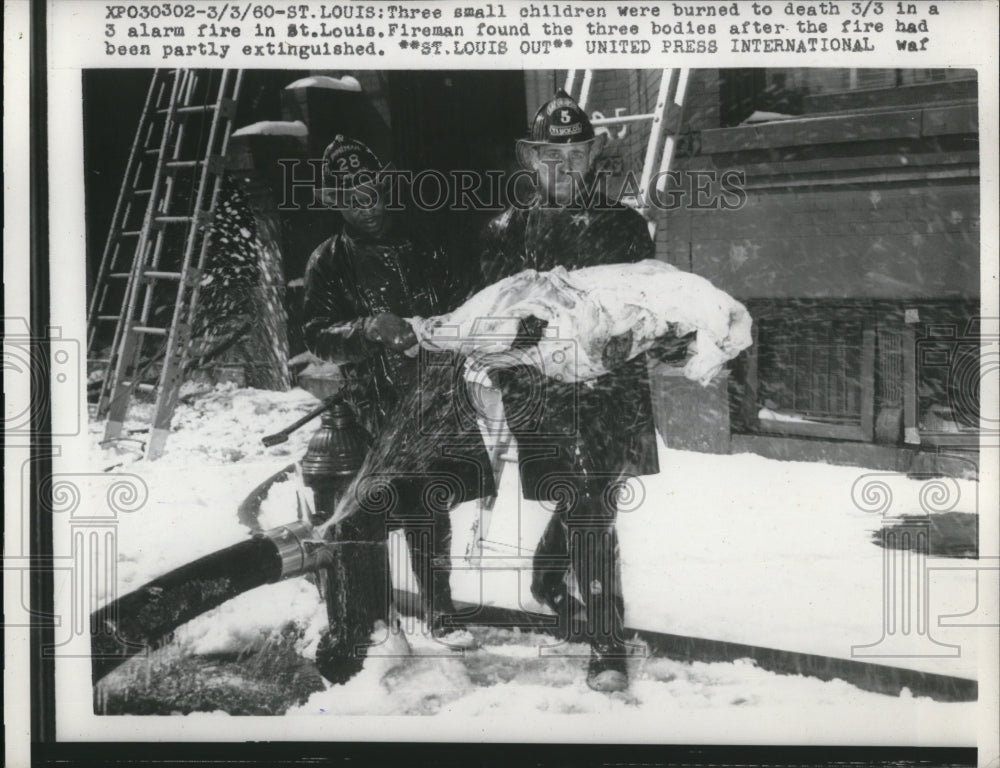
{"x":351,"y":161}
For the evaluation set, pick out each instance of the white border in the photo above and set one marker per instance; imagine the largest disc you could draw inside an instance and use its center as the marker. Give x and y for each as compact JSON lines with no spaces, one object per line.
{"x":970,"y":40}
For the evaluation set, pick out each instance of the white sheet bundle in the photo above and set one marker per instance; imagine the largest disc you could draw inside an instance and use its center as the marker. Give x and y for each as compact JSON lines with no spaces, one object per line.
{"x":585,"y":308}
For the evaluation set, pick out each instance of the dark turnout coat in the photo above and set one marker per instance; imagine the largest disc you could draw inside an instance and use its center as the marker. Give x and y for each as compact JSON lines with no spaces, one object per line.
{"x":596,"y":429}
{"x":352,"y":277}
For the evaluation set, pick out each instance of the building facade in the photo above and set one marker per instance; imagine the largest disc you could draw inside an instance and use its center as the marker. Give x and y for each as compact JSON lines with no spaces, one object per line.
{"x":840,"y":205}
{"x":855,"y":245}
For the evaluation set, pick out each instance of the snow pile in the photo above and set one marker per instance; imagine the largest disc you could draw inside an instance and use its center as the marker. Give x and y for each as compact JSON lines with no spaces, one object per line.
{"x":345,"y":83}
{"x":779,"y":555}
{"x":213,"y":459}
{"x":226,"y":424}
{"x":273,"y":128}
{"x":773,"y":415}
{"x":585,"y":308}
{"x":510,"y":675}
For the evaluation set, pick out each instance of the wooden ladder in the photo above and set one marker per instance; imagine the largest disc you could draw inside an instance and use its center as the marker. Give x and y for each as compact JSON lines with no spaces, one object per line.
{"x":176,"y":166}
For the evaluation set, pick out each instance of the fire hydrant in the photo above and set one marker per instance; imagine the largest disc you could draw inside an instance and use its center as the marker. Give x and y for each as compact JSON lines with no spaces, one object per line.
{"x":355,"y":579}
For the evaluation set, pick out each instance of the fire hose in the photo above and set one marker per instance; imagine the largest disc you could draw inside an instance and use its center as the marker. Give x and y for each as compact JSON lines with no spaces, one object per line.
{"x":141,"y":620}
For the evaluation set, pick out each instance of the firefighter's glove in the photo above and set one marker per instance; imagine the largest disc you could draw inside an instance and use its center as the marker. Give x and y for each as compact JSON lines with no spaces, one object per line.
{"x":390,"y":330}
{"x":671,"y":348}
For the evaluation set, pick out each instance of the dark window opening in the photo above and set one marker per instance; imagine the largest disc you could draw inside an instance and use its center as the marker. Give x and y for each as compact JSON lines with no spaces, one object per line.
{"x":813,"y":374}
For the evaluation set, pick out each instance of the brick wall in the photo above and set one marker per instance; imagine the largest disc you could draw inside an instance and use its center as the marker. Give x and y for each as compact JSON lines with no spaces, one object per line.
{"x":914,"y":241}
{"x":701,"y":112}
{"x":883,"y":205}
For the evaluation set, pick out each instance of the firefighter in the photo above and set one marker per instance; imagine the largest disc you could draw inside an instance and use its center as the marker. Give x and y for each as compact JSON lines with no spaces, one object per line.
{"x":359,"y":285}
{"x":576,"y":441}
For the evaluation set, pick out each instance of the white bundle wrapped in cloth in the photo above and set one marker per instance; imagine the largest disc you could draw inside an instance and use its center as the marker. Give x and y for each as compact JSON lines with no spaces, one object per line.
{"x":585,"y":309}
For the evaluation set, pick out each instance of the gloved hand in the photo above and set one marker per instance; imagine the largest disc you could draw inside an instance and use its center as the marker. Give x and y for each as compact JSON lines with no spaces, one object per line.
{"x":671,"y":348}
{"x":390,"y":330}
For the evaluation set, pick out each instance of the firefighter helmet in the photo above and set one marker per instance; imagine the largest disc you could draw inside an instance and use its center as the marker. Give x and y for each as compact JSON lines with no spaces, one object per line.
{"x":559,"y":121}
{"x":347,"y":163}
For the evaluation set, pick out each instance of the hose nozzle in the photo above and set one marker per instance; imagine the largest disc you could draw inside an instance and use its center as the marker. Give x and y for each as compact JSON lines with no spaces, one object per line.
{"x":298,"y":548}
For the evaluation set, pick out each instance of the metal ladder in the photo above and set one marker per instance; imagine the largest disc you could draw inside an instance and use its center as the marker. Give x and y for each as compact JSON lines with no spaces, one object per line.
{"x":665,"y":120}
{"x":179,"y":151}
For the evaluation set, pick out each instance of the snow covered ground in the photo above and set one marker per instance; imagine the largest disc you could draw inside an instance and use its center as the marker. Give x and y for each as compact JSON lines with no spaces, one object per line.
{"x":738,"y":548}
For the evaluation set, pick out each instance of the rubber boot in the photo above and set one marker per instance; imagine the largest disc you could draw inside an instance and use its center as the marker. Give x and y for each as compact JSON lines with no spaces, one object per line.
{"x":430,"y":557}
{"x":357,"y":605}
{"x":594,"y":555}
{"x":606,"y":671}
{"x":550,"y":578}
